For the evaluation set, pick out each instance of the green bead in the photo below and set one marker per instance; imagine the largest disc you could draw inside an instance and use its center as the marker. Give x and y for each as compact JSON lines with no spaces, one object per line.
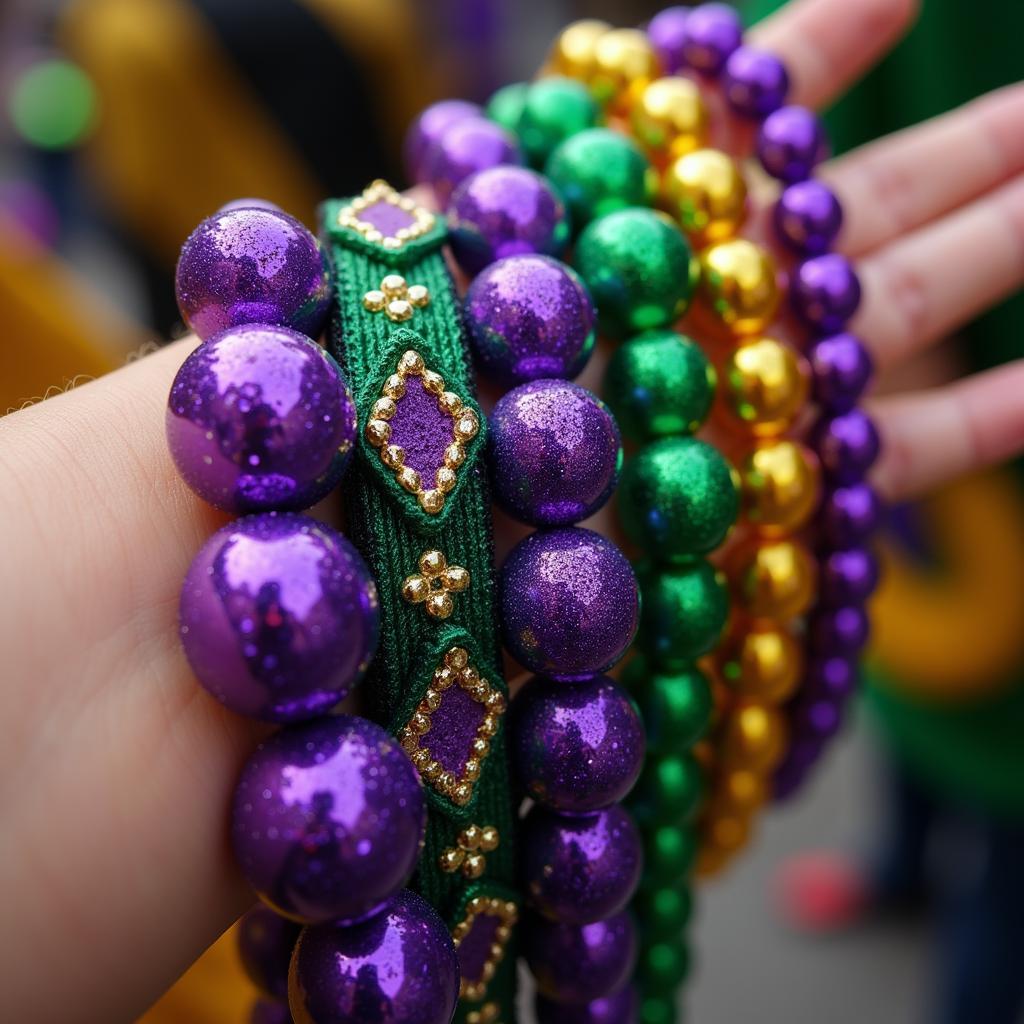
{"x":677,"y":498}
{"x":659,"y":384}
{"x":668,"y":791}
{"x":669,"y":854}
{"x":636,"y":264}
{"x":599,"y":171}
{"x":676,"y":708}
{"x":505,"y":107}
{"x":554,"y":109}
{"x":664,"y":912}
{"x":662,"y":966}
{"x":657,"y":1009}
{"x":683,"y":612}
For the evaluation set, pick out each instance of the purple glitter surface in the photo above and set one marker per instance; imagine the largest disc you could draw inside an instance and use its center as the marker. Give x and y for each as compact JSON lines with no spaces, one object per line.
{"x":475,"y":948}
{"x":422,"y":429}
{"x":387,"y":218}
{"x":453,"y":728}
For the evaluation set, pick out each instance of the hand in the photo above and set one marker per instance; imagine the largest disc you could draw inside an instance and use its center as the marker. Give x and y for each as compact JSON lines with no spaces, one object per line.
{"x":117,"y":768}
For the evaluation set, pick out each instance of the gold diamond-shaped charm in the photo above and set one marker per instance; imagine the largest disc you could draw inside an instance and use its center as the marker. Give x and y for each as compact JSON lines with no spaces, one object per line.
{"x":386,"y":218}
{"x":480,"y":939}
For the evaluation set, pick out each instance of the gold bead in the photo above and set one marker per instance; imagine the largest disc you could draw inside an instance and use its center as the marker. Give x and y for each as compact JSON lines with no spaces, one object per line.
{"x":431,"y":501}
{"x":669,"y":117}
{"x":394,"y":387}
{"x":469,"y":838}
{"x":418,"y":295}
{"x":455,"y":579}
{"x":573,"y":51}
{"x":452,"y":858}
{"x":728,"y":832}
{"x":471,"y":770}
{"x":741,"y":792}
{"x":432,"y":771}
{"x":415,"y":589}
{"x":446,"y":781}
{"x":624,"y":62}
{"x":706,"y":192}
{"x":378,"y":432}
{"x":462,"y":794}
{"x":393,"y":456}
{"x":738,"y":290}
{"x":432,"y":699}
{"x":374,"y":301}
{"x":470,"y":676}
{"x":754,"y":737}
{"x":488,"y":726}
{"x":764,"y":663}
{"x":432,"y":563}
{"x":440,"y":606}
{"x":480,"y":747}
{"x":454,"y":455}
{"x":383,"y":408}
{"x":780,"y":487}
{"x":409,"y":478}
{"x":765,"y":385}
{"x":445,"y":479}
{"x":411,"y":363}
{"x":496,"y":702}
{"x":466,"y":425}
{"x":457,"y":659}
{"x":773,"y":579}
{"x":474,"y":865}
{"x":444,"y":678}
{"x":450,"y":402}
{"x":393,"y":286}
{"x":399,"y":310}
{"x":488,"y":838}
{"x":433,"y":382}
{"x":420,"y":724}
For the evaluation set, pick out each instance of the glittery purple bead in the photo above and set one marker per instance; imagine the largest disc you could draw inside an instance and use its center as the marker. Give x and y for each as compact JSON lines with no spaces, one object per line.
{"x":327,"y":819}
{"x":260,"y":418}
{"x":279,"y":616}
{"x":842,"y":369}
{"x":265,"y":944}
{"x":808,"y":217}
{"x":399,"y":967}
{"x":582,"y":867}
{"x":268,"y":1011}
{"x":842,"y":631}
{"x":619,"y":1008}
{"x":711,"y":33}
{"x":428,"y":127}
{"x":754,"y":82}
{"x":832,"y":678}
{"x":791,"y":143}
{"x":849,"y":515}
{"x":530,"y":317}
{"x":249,"y":202}
{"x":555,"y":453}
{"x":847,"y":577}
{"x":816,"y":716}
{"x":847,"y":446}
{"x":575,"y":963}
{"x":667,"y":33}
{"x":505,"y":211}
{"x":576,"y":747}
{"x":569,"y":603}
{"x":463,"y":148}
{"x":825,"y":292}
{"x":252,"y":265}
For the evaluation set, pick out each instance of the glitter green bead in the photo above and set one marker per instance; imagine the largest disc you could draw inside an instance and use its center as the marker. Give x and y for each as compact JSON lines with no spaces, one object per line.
{"x":659,"y":384}
{"x":637,"y":265}
{"x":658,"y":1009}
{"x":505,"y":107}
{"x":677,"y":498}
{"x":684,"y":610}
{"x":676,"y":709}
{"x":554,"y":109}
{"x":599,"y":171}
{"x":668,"y":791}
{"x":663,"y":966}
{"x":669,"y":855}
{"x":665,"y":912}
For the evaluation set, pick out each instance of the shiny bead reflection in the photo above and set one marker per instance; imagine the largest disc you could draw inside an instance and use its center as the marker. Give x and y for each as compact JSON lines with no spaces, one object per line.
{"x":669,"y":117}
{"x":773,"y":580}
{"x":765,"y":384}
{"x":705,"y":190}
{"x":624,"y":61}
{"x":738,"y":289}
{"x":573,"y":50}
{"x":780,"y":486}
{"x":754,"y":737}
{"x":765,"y":663}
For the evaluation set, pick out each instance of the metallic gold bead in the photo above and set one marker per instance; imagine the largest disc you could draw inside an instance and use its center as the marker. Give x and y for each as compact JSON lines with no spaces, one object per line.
{"x":738,"y":288}
{"x":742,"y":792}
{"x":773,"y":579}
{"x":399,"y":310}
{"x":433,"y":382}
{"x":431,"y":501}
{"x":469,"y":838}
{"x":764,"y":663}
{"x":411,"y":363}
{"x":754,"y":737}
{"x":440,"y":606}
{"x":415,"y":589}
{"x":728,"y":832}
{"x":378,"y":432}
{"x":455,"y":579}
{"x":419,"y":295}
{"x":409,"y":478}
{"x":450,"y":402}
{"x":420,"y":724}
{"x":496,"y":702}
{"x":474,"y":865}
{"x":489,"y":838}
{"x":780,"y":487}
{"x":420,"y":758}
{"x":488,"y":726}
{"x":457,"y":659}
{"x":409,"y":740}
{"x":573,"y":51}
{"x":471,"y":770}
{"x":669,"y":117}
{"x":432,"y":771}
{"x":374,"y":301}
{"x":765,"y":385}
{"x":462,"y":794}
{"x":383,"y":408}
{"x":445,"y":479}
{"x":454,"y":455}
{"x":432,"y":563}
{"x":393,"y":286}
{"x":443,"y":678}
{"x":706,"y":192}
{"x":393,"y":456}
{"x":432,"y":699}
{"x":470,"y":676}
{"x":451,"y":859}
{"x":467,"y":425}
{"x":394,"y":387}
{"x":623,"y":61}
{"x":480,"y":747}
{"x":446,"y":781}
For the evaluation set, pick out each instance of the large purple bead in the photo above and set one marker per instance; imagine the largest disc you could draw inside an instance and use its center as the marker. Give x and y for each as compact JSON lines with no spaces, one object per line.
{"x":399,"y":967}
{"x":847,"y":446}
{"x":833,"y":678}
{"x":279,"y":616}
{"x":791,"y":143}
{"x":260,"y":418}
{"x":582,"y":867}
{"x":667,"y":33}
{"x":569,"y":603}
{"x":849,"y":576}
{"x":576,"y":747}
{"x":265,"y":944}
{"x":463,"y":148}
{"x":808,"y":217}
{"x":428,"y":127}
{"x":825,"y":292}
{"x":505,"y":211}
{"x":849,"y":515}
{"x":555,"y":453}
{"x":842,"y":369}
{"x":530,"y":317}
{"x":838,"y":631}
{"x":252,"y":265}
{"x":711,"y":33}
{"x":327,"y":819}
{"x":574,"y":963}
{"x":755,"y":82}
{"x":619,"y":1008}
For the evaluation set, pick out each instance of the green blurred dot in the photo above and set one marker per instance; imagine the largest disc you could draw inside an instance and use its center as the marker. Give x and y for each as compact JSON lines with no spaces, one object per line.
{"x":667,"y":792}
{"x":664,"y":912}
{"x":662,"y":966}
{"x":53,"y":104}
{"x":669,"y":854}
{"x":505,"y":107}
{"x":676,"y":708}
{"x":554,"y":110}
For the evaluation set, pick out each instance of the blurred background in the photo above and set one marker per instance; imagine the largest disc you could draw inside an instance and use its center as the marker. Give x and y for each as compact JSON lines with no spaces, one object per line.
{"x":893,"y":889}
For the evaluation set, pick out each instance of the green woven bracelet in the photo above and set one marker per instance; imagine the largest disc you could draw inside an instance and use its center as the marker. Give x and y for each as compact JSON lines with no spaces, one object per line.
{"x":418,"y":509}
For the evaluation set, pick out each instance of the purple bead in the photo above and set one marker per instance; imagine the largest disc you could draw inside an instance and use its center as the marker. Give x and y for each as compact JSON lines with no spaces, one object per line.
{"x":576,"y":747}
{"x":249,"y":202}
{"x":574,"y":963}
{"x":808,"y":217}
{"x":755,"y":82}
{"x":667,"y":33}
{"x":279,"y":617}
{"x":463,"y":148}
{"x":555,"y":453}
{"x":268,"y":1011}
{"x":847,"y":446}
{"x":825,"y":292}
{"x":265,"y":944}
{"x":711,"y":33}
{"x":842,"y":369}
{"x":530,"y":317}
{"x":582,"y":867}
{"x":327,"y":819}
{"x":849,"y":576}
{"x":428,"y":127}
{"x":791,"y":143}
{"x":260,"y":418}
{"x":569,"y":603}
{"x":804,"y":750}
{"x":832,"y":678}
{"x":842,"y":631}
{"x":619,"y":1008}
{"x":819,"y":717}
{"x":252,"y":265}
{"x":505,"y":211}
{"x":850,"y":515}
{"x":399,"y":967}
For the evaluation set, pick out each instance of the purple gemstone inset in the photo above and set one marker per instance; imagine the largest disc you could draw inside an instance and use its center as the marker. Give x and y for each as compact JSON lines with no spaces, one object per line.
{"x":387,"y":218}
{"x":453,"y":727}
{"x":421,"y":428}
{"x":475,"y":949}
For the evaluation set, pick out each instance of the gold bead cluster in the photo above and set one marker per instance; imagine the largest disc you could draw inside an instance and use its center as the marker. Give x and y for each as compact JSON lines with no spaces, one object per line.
{"x":381,"y":192}
{"x":454,"y":669}
{"x":465,"y":426}
{"x":467,"y":855}
{"x":435,"y":583}
{"x":507,"y":913}
{"x":487,"y":1014}
{"x":396,"y":299}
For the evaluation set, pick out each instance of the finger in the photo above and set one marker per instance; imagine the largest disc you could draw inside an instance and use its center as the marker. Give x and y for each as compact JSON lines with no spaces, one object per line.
{"x":931,"y":437}
{"x":901,"y":182}
{"x":922,"y":287}
{"x":828,"y":44}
